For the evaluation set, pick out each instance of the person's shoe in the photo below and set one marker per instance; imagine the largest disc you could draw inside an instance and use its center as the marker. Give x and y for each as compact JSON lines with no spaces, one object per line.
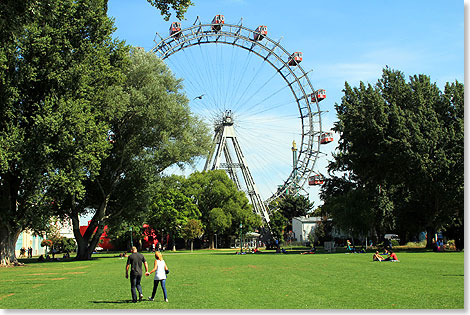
{"x":141,"y":297}
{"x":150,"y":298}
{"x":134,"y":301}
{"x":166,"y":300}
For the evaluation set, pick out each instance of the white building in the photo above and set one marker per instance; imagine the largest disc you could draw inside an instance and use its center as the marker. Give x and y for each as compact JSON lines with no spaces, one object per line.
{"x":28,"y":239}
{"x":64,"y":228}
{"x":303,"y":226}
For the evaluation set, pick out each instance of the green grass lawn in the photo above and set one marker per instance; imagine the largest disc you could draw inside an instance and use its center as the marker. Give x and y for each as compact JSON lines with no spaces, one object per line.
{"x":220,"y":279}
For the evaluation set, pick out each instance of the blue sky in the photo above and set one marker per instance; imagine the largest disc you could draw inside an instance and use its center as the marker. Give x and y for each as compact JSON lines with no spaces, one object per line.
{"x":340,"y":40}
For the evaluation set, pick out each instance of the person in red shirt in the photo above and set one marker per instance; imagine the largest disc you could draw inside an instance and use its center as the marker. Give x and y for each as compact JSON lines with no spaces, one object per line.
{"x":391,"y":256}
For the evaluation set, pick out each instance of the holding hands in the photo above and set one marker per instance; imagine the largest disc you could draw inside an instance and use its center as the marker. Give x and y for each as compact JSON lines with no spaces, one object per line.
{"x":147,"y":273}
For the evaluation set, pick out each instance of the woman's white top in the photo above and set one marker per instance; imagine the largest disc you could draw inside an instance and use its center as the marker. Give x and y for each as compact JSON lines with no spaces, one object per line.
{"x":160,"y":272}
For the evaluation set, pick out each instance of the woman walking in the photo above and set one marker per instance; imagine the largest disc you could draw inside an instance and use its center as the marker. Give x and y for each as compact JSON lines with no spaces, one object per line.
{"x":161,"y":270}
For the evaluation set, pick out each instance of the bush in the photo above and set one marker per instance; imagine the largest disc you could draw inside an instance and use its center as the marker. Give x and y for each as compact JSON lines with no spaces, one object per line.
{"x":395,"y":243}
{"x":66,"y":245}
{"x":421,"y":244}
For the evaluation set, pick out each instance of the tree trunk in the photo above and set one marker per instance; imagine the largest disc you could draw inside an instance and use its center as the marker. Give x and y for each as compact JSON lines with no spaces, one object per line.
{"x":87,"y":242}
{"x":212,"y":241}
{"x":430,"y":236}
{"x":8,"y":239}
{"x":191,"y":245}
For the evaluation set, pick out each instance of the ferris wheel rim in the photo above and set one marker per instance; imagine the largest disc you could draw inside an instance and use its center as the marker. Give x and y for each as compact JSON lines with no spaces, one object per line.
{"x":305,"y":165}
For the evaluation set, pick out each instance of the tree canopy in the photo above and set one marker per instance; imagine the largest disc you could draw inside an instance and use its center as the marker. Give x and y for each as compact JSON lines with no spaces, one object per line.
{"x":150,"y":128}
{"x":222,"y":205}
{"x":55,"y":59}
{"x":401,"y":153}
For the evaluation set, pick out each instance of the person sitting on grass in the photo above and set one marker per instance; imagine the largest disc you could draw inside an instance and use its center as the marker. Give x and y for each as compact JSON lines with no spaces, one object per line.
{"x":377,"y":256}
{"x":311,"y":251}
{"x":392,"y":256}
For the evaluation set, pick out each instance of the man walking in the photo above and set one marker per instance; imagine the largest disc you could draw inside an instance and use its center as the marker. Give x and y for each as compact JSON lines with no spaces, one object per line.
{"x":135,"y":260}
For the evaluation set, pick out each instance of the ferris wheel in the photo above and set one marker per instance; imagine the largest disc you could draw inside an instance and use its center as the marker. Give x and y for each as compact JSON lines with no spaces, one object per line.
{"x":254,"y":92}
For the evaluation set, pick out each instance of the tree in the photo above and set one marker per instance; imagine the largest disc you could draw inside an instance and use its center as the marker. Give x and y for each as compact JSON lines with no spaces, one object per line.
{"x":151,"y":129}
{"x":179,"y":6}
{"x":55,"y":62}
{"x":171,"y":211}
{"x":191,"y":230}
{"x":214,"y":190}
{"x":278,"y":223}
{"x":401,"y":145}
{"x":295,"y":206}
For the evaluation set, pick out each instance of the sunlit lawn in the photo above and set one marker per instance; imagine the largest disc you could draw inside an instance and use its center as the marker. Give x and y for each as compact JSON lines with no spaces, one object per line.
{"x":220,"y":279}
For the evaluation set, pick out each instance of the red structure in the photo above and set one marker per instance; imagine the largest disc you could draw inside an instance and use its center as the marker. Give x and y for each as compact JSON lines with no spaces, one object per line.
{"x":104,"y":242}
{"x":150,"y":237}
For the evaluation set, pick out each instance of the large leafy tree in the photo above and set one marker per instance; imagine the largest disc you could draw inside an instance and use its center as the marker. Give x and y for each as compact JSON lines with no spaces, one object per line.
{"x":57,"y":60}
{"x":402,"y":144}
{"x":55,"y":57}
{"x":151,"y":128}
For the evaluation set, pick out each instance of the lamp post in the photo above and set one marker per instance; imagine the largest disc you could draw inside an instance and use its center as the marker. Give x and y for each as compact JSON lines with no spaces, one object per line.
{"x":241,"y":242}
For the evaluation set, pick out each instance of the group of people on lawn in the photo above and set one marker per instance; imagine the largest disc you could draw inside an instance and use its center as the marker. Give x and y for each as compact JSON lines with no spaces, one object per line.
{"x":391,"y":256}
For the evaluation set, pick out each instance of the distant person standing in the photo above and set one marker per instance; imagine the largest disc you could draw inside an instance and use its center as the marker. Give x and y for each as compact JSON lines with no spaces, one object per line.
{"x":161,"y":270}
{"x":135,"y":261}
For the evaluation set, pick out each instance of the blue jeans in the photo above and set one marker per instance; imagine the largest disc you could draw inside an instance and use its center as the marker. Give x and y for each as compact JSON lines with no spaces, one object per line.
{"x":155,"y":286}
{"x":135,"y":283}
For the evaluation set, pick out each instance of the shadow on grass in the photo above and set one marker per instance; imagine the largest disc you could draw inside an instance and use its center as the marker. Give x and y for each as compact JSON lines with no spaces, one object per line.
{"x":112,"y":302}
{"x":28,"y":261}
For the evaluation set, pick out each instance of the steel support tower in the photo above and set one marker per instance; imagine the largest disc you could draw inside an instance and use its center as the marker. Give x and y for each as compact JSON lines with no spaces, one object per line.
{"x":226,"y":154}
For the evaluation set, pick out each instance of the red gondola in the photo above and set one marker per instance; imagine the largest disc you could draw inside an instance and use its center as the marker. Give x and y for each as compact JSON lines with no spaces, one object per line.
{"x":320,"y":94}
{"x":316,"y":179}
{"x":175,"y":29}
{"x":260,"y":32}
{"x":217,"y":22}
{"x":326,"y":137}
{"x":295,"y":58}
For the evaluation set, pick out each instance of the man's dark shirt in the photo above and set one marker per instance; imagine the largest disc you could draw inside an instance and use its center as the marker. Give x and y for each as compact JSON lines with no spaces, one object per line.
{"x":136,"y":260}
